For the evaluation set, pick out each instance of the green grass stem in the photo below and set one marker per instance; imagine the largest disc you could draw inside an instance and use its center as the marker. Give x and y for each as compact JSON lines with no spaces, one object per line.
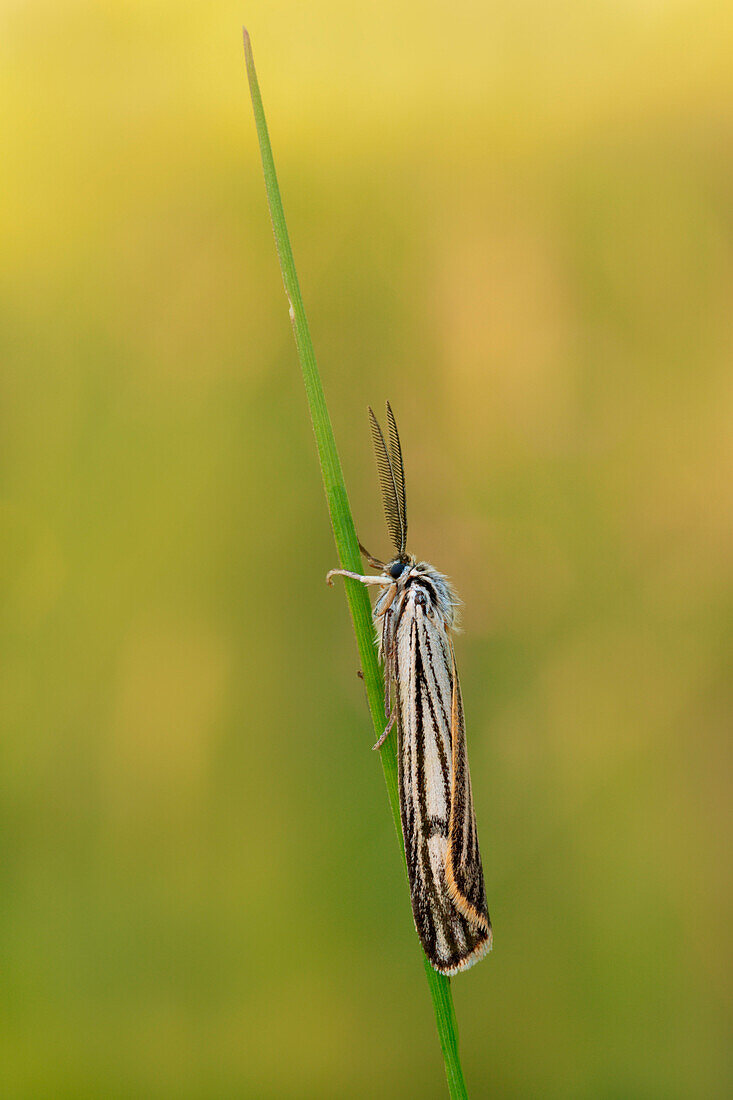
{"x":347,"y":547}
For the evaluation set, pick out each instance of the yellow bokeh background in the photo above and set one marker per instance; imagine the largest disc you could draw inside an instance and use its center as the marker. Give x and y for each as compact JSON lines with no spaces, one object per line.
{"x":514,"y":220}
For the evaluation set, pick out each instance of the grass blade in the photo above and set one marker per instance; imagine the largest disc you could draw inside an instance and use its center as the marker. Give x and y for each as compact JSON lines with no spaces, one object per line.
{"x":347,"y":547}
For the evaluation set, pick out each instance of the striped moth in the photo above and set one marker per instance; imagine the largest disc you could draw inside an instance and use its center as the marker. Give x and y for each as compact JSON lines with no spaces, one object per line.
{"x":413,"y":617}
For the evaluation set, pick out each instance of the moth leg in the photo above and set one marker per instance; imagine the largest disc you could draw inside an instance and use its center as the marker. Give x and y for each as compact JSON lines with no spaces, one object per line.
{"x":388,"y":650}
{"x":388,"y":728}
{"x":389,"y":645}
{"x":383,"y":581}
{"x":374,"y":562}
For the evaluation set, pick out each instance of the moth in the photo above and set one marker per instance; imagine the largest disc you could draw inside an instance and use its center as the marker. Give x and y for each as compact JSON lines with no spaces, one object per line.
{"x":414,"y":616}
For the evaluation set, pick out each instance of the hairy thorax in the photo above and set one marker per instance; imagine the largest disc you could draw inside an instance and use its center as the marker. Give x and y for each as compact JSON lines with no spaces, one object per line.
{"x":418,"y":585}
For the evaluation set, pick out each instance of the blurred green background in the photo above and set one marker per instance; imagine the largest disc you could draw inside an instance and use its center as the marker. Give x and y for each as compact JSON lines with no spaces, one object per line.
{"x":515,"y":221}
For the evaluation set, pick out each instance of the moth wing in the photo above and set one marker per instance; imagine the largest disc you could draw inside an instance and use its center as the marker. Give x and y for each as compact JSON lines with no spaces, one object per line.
{"x":453,"y":936}
{"x":464,"y":872}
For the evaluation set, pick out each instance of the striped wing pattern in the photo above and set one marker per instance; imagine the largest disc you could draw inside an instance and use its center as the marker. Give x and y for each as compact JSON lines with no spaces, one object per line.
{"x":436,"y":805}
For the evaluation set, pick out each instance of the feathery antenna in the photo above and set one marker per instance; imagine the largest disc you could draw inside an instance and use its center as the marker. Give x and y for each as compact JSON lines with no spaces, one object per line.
{"x":391,"y":478}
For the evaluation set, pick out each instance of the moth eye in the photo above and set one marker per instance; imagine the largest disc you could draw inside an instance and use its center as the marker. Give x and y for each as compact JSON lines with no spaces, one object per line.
{"x":396,"y":569}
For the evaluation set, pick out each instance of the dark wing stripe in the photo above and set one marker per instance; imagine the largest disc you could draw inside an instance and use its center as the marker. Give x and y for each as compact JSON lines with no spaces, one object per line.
{"x":445,"y":764}
{"x":443,"y":703}
{"x":439,"y":721}
{"x":430,"y":899}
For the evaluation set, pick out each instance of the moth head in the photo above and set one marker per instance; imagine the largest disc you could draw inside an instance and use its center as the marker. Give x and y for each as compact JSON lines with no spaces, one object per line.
{"x":396,"y":568}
